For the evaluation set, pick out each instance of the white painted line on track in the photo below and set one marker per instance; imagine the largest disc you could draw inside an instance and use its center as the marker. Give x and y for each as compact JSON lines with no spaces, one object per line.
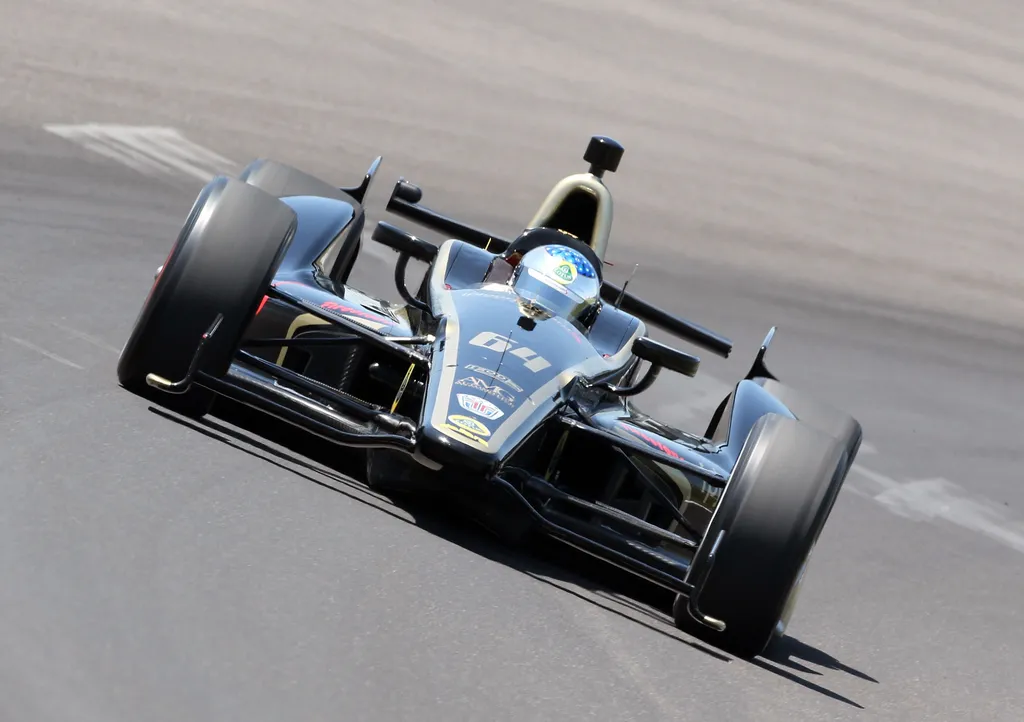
{"x":147,"y":149}
{"x":163,"y":150}
{"x":97,"y":342}
{"x":941,"y":499}
{"x":48,"y":354}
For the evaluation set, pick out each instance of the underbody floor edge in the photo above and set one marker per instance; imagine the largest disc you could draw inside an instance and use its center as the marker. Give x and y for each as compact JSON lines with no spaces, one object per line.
{"x":510,"y":506}
{"x":592,"y":536}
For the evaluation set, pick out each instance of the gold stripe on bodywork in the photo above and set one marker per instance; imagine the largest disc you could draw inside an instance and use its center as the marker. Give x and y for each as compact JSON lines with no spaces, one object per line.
{"x":401,"y":389}
{"x":305,"y":320}
{"x":301,"y":321}
{"x":449,"y":357}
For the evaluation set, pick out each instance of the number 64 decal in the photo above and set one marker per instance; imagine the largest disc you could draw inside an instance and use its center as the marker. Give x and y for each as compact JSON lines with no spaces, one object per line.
{"x":494,"y":342}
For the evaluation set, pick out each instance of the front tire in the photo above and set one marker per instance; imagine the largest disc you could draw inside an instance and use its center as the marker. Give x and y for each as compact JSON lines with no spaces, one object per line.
{"x":223,"y":260}
{"x":837,"y":424}
{"x":762,"y":532}
{"x":824,"y":417}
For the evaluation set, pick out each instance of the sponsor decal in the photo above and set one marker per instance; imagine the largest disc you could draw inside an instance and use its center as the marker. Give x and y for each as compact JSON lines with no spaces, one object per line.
{"x":352,"y":311}
{"x":495,"y":342}
{"x":480,"y":407}
{"x":496,"y":376}
{"x":478,"y":384}
{"x":470,"y":424}
{"x":651,"y":441}
{"x":373,"y":321}
{"x":659,"y":446}
{"x":466,"y":435}
{"x":565,"y":272}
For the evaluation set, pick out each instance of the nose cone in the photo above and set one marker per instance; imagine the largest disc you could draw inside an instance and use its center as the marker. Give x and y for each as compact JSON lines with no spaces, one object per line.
{"x":453,"y":444}
{"x":493,"y":378}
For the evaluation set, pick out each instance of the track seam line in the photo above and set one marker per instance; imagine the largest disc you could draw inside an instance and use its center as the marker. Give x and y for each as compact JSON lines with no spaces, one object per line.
{"x":48,"y":354}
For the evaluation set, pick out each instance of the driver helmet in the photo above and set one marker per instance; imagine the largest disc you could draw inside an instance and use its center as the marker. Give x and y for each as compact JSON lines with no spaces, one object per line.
{"x":558,"y":281}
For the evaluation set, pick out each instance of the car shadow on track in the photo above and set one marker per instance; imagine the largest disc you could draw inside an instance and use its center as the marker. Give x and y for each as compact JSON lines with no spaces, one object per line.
{"x":782,"y":658}
{"x":548,"y":562}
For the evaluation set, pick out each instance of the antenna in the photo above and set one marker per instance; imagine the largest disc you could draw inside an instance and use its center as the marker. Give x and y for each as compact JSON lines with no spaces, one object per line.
{"x":623,"y":291}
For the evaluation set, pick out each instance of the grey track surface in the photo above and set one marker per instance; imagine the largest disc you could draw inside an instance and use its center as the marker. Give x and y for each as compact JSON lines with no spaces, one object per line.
{"x":149,"y":570}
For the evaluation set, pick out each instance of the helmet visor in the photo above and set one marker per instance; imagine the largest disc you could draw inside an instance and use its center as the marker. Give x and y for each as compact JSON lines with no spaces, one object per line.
{"x":535,"y":289}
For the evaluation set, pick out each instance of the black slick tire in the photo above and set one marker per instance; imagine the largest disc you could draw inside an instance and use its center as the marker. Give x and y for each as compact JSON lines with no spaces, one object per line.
{"x":834,"y":422}
{"x":223,"y":260}
{"x":762,"y":532}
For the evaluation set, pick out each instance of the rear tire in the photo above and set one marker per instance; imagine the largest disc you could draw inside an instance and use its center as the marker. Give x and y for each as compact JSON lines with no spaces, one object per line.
{"x":223,"y":260}
{"x":772,"y":512}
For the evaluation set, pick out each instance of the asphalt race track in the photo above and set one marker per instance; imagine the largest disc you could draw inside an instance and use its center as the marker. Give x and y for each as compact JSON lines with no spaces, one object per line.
{"x":849,"y":170}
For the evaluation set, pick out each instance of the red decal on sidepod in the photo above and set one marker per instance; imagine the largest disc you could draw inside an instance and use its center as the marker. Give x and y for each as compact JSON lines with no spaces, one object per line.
{"x":652,"y":441}
{"x":353,"y":311}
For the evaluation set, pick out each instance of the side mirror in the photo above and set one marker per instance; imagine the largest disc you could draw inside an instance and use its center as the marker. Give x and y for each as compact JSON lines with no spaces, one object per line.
{"x":658,"y":354}
{"x":406,"y":191}
{"x":405,"y":243}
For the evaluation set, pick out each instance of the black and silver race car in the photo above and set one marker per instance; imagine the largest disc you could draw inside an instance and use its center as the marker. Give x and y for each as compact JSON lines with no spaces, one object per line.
{"x":505,"y":378}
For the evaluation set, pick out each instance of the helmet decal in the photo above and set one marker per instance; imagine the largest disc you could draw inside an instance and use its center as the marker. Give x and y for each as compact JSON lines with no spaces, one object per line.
{"x":565,"y":272}
{"x":574,"y":259}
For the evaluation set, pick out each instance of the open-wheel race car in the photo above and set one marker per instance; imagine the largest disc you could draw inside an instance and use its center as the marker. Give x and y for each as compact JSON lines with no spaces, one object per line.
{"x":505,"y":379}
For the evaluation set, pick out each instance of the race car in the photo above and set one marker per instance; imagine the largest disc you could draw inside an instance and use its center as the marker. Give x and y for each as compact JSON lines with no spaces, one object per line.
{"x":507,"y":380}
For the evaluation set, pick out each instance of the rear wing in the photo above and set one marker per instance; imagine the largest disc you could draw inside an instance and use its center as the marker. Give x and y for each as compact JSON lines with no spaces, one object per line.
{"x":405,"y":202}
